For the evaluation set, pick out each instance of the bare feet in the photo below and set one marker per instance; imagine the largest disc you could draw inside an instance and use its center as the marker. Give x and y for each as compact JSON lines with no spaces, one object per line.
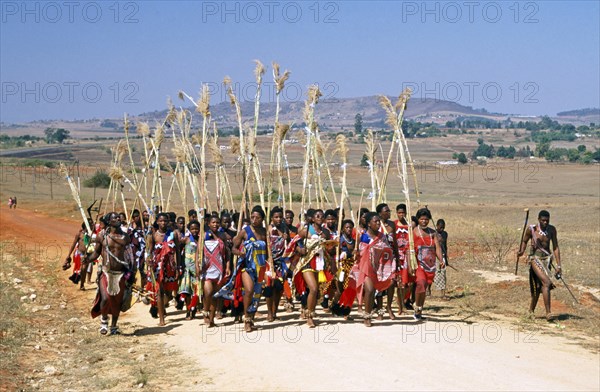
{"x":367,"y":319}
{"x":391,"y":313}
{"x":289,"y":307}
{"x":310,"y":322}
{"x":248,"y":325}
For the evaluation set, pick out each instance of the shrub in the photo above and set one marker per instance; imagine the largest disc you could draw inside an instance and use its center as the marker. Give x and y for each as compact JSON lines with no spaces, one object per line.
{"x":99,"y":180}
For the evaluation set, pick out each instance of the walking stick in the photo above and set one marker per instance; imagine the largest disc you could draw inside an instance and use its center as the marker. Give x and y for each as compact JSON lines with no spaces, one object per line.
{"x":558,"y":276}
{"x":522,"y":235}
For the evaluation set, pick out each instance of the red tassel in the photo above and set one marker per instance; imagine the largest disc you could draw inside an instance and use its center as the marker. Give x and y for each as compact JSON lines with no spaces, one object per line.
{"x":348,"y":295}
{"x":299,"y":283}
{"x":76,"y":262}
{"x":150,"y":288}
{"x":287,"y":290}
{"x":194,"y":301}
{"x":238,"y":298}
{"x":347,"y":298}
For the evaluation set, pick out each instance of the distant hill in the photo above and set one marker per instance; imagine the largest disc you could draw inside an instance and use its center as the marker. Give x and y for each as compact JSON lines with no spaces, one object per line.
{"x":580,"y":112}
{"x":337,"y":113}
{"x":331,"y":114}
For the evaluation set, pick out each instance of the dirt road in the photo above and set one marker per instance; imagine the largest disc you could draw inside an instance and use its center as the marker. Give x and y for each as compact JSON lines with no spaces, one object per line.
{"x":444,"y":353}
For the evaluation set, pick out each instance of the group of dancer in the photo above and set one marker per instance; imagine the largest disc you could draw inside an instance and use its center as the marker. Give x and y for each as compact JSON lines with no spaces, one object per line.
{"x":218,"y":268}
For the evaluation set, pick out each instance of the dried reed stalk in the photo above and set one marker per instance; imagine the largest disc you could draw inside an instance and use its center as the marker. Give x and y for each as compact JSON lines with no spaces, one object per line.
{"x":371,"y":151}
{"x":279,"y":132}
{"x":62,"y":169}
{"x":341,"y":148}
{"x":241,"y":142}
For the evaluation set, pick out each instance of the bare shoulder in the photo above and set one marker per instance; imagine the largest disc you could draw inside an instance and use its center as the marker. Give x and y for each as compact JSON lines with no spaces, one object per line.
{"x":260,"y":232}
{"x":391,"y":224}
{"x":241,"y":234}
{"x":303,"y":233}
{"x":223,"y":236}
{"x":177,"y":235}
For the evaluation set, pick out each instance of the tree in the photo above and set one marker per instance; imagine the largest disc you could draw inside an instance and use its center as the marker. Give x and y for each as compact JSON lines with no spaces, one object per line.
{"x":462,"y":158}
{"x":553,"y":154}
{"x":542,"y":148}
{"x":573,"y":155}
{"x":61,"y":134}
{"x":358,"y":123}
{"x":49,"y":132}
{"x":54,"y":135}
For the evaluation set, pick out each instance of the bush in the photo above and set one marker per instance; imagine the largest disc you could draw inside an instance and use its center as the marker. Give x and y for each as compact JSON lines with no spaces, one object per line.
{"x":34,"y":162}
{"x":497,"y":243}
{"x":99,"y":180}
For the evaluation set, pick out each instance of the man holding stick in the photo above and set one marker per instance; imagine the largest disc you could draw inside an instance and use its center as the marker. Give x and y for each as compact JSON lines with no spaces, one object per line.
{"x":117,"y":268}
{"x":82,"y":244}
{"x":540,"y":260}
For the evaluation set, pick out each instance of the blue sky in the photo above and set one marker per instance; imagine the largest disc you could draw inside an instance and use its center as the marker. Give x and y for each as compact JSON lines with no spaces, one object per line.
{"x":102,"y":59}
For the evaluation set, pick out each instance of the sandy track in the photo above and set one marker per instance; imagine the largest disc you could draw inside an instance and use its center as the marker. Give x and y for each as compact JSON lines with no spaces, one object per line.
{"x":445,"y":353}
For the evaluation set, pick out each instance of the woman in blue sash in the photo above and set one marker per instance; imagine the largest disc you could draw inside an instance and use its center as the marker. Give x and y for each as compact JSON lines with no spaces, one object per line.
{"x":251,"y":247}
